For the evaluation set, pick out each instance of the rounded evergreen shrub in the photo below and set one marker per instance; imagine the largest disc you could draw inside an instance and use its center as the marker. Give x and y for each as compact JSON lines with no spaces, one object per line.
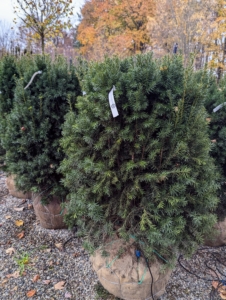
{"x":34,"y":124}
{"x":146,"y":174}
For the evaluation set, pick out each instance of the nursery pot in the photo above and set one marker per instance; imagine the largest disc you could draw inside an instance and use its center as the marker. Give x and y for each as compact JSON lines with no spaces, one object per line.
{"x":127,"y":277}
{"x":10,"y":182}
{"x":50,"y":215}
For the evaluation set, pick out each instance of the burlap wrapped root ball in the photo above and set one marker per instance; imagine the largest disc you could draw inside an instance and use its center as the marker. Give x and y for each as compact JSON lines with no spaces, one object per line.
{"x":13,"y":191}
{"x":126,"y":277}
{"x":51,"y":215}
{"x":219,"y":237}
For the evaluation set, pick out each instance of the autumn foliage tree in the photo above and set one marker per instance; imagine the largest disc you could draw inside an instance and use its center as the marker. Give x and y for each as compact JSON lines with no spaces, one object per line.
{"x":45,"y":18}
{"x":216,"y":46}
{"x":184,"y":22}
{"x":114,"y":27}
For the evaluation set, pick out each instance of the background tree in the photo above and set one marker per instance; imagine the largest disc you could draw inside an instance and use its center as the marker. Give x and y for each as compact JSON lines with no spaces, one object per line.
{"x":45,"y":18}
{"x":216,"y":46}
{"x":7,"y":38}
{"x":114,"y":27}
{"x":186,"y":23}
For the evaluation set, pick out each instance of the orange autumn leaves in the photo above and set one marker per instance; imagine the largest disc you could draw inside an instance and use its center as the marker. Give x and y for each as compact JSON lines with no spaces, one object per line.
{"x":31,"y":293}
{"x":114,"y":27}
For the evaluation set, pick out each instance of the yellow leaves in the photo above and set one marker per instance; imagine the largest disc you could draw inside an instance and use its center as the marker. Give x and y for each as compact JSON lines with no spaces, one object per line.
{"x":59,"y":285}
{"x":41,"y":18}
{"x":31,"y":293}
{"x":19,"y":223}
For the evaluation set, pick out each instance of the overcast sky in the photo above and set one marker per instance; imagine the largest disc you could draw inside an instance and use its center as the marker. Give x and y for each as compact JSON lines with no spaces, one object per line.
{"x":6,"y":9}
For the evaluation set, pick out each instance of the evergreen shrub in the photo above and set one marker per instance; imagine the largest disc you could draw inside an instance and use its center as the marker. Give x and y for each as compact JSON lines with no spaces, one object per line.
{"x":34,"y":124}
{"x":8,"y":75}
{"x":216,"y":95}
{"x":146,"y":174}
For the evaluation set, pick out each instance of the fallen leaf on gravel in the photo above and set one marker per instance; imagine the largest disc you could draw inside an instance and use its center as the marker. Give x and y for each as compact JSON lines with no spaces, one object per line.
{"x":215,"y":284}
{"x":29,"y":206}
{"x":59,"y":285}
{"x":20,"y":235}
{"x":31,"y":293}
{"x":67,"y":295}
{"x":15,"y":288}
{"x":223,"y":295}
{"x":10,"y":251}
{"x":16,"y":274}
{"x":8,"y":217}
{"x":222,"y":292}
{"x":59,"y":246}
{"x":4,"y":281}
{"x":76,"y":254}
{"x":48,"y":250}
{"x":18,"y":208}
{"x":46,"y":281}
{"x":19,"y":223}
{"x":36,"y":278}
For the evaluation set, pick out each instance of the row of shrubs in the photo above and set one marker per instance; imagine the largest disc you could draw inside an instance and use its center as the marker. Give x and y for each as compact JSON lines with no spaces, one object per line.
{"x":151,"y":174}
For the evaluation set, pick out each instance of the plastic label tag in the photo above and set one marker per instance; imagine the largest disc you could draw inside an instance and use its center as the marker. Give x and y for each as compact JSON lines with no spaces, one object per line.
{"x":112,"y":103}
{"x":32,"y":78}
{"x":219,"y":107}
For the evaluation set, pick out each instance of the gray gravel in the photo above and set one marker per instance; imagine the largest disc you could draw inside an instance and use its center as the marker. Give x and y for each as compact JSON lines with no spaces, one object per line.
{"x":45,"y":260}
{"x":71,"y":265}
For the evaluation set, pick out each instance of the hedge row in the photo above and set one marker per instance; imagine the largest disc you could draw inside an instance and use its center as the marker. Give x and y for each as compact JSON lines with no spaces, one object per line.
{"x":147,"y":174}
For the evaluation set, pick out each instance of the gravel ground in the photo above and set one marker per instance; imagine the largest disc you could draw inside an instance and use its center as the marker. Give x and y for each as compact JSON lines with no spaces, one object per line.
{"x":45,"y":259}
{"x":32,"y":259}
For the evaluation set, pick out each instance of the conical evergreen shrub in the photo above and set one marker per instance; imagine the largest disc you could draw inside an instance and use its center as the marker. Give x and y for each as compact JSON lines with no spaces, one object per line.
{"x":146,"y":174}
{"x":34,"y":124}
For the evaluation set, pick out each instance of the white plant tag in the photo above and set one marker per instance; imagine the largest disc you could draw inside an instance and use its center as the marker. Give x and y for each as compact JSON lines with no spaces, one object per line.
{"x":112,"y":103}
{"x":32,"y":78}
{"x":219,"y":107}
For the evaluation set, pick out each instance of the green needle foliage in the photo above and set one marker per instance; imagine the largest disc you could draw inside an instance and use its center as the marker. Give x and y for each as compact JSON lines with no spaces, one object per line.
{"x":8,"y":75}
{"x":34,"y":124}
{"x":147,"y":173}
{"x":216,"y":95}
